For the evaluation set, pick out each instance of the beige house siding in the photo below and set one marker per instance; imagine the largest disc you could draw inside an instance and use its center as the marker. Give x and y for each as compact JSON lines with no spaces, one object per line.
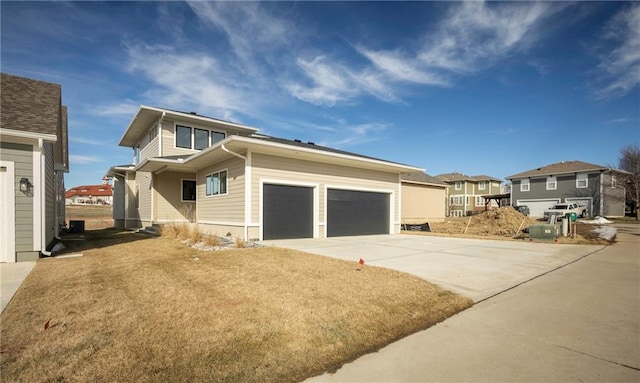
{"x":422,"y":203}
{"x":268,"y":168}
{"x":143,"y":183}
{"x":133,"y":218}
{"x":225,"y":208}
{"x":22,"y":157}
{"x":168,"y":198}
{"x":149,"y":148}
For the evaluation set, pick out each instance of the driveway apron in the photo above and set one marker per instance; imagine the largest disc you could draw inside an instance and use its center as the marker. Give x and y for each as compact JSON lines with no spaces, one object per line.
{"x":474,"y":268}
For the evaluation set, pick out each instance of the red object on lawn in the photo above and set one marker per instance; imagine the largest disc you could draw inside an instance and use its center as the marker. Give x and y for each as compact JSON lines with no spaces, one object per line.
{"x":361,"y":261}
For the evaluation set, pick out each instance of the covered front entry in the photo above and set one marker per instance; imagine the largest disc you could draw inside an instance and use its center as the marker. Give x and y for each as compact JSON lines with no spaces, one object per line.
{"x":351,"y":212}
{"x":287,"y":211}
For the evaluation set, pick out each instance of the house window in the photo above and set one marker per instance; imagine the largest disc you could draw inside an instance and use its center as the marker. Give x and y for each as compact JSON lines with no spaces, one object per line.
{"x":216,"y":183}
{"x":479,"y":201}
{"x":582,"y":180}
{"x":456,"y":200}
{"x":153,"y":132}
{"x":482,"y":185}
{"x":217,"y":137}
{"x":188,"y":190}
{"x":456,"y":213}
{"x":614,"y":181}
{"x":466,"y":200}
{"x":183,"y":137}
{"x":524,"y":185}
{"x":552,"y":183}
{"x":458,"y":185}
{"x":201,"y":139}
{"x":136,"y":154}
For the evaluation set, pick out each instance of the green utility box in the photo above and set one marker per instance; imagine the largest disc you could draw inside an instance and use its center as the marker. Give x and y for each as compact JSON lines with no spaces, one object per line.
{"x":546,"y":231}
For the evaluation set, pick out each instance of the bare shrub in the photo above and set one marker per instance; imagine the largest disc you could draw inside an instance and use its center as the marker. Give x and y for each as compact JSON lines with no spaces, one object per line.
{"x":240,"y":243}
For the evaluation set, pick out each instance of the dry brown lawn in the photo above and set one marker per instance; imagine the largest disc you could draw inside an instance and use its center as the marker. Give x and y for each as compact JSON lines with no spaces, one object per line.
{"x":141,"y":309}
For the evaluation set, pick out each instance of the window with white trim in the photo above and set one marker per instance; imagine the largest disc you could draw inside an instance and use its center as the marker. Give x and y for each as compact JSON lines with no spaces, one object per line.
{"x":183,"y":137}
{"x":614,"y":181}
{"x":188,"y":190}
{"x":201,"y":138}
{"x":216,"y":183}
{"x":153,"y":132}
{"x":552,"y":183}
{"x":456,"y":200}
{"x":582,"y":180}
{"x":458,"y":185}
{"x":466,"y":200}
{"x":524,"y":185}
{"x":482,"y":185}
{"x":456,"y":213}
{"x":479,"y":201}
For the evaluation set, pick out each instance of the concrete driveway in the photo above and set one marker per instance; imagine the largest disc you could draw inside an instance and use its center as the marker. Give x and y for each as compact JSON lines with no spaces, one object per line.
{"x":474,"y":268}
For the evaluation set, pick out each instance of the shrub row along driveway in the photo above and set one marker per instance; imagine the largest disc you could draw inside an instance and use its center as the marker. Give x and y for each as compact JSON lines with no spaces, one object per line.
{"x":475,"y":268}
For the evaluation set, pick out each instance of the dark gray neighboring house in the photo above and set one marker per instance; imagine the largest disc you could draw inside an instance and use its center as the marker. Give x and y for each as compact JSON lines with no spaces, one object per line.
{"x":599,"y":188}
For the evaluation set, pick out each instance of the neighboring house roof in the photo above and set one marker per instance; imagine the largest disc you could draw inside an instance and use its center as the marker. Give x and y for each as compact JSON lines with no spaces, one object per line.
{"x":422,"y":178}
{"x":89,"y":190}
{"x":271,"y":145}
{"x":563,"y":167}
{"x":453,"y":177}
{"x":30,"y":106}
{"x":148,"y":115}
{"x":484,"y":178}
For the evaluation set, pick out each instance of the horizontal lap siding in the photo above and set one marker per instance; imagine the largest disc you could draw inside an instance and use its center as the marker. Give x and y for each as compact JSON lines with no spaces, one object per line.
{"x":223,"y":208}
{"x":292,"y":170}
{"x":168,"y":196}
{"x":169,"y":140}
{"x":49,"y":197}
{"x":143,"y":181}
{"x":422,"y":202}
{"x":22,"y":157}
{"x":149,"y":149}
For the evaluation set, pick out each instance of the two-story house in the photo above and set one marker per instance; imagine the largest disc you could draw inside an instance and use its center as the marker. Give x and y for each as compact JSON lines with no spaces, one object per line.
{"x":33,"y":160}
{"x":466,"y":193}
{"x":597,"y":187}
{"x":225,"y":177}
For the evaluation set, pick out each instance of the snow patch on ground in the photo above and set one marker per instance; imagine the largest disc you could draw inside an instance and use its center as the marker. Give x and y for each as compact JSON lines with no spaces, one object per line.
{"x":606,"y":232}
{"x":597,"y":221}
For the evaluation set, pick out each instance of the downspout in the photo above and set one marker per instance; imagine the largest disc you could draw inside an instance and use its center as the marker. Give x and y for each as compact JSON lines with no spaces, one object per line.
{"x":160,"y":134}
{"x":247,"y":189}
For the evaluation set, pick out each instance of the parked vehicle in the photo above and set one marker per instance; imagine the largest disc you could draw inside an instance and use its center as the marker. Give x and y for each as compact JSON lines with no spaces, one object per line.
{"x":561,"y":209}
{"x":522,"y":209}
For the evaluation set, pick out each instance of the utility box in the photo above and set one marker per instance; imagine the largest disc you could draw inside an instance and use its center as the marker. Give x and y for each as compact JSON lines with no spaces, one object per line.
{"x":546,"y":231}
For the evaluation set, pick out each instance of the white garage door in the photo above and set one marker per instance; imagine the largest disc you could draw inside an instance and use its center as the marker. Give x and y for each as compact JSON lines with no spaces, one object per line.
{"x":538,"y":206}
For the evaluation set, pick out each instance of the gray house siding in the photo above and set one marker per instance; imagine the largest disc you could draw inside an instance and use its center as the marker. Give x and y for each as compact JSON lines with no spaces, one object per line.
{"x":22,"y":157}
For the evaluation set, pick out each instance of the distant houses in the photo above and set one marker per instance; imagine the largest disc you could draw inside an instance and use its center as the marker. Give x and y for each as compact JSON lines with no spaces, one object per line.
{"x":90,"y":194}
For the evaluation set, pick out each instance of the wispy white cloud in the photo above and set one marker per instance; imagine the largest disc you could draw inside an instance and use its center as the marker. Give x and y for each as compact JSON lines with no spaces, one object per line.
{"x":401,"y":68}
{"x":80,"y":159}
{"x":621,"y":120}
{"x":88,"y":141}
{"x":127,"y":108}
{"x":331,"y":83}
{"x":620,"y":66}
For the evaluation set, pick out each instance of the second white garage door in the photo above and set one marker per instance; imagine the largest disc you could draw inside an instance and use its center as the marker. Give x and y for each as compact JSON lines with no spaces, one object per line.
{"x":537,"y":207}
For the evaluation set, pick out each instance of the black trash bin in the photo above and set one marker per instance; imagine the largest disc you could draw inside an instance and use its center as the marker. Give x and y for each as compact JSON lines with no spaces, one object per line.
{"x":76,"y":226}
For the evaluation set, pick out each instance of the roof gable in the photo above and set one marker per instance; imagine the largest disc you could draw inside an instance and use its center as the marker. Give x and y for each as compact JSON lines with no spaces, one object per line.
{"x":423,"y":178}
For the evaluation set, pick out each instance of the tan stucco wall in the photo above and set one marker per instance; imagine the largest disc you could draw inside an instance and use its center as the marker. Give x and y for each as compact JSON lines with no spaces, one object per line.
{"x":422,"y":203}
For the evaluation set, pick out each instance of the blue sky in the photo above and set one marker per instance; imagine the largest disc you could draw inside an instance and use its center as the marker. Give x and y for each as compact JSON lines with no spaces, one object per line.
{"x":478,"y":88}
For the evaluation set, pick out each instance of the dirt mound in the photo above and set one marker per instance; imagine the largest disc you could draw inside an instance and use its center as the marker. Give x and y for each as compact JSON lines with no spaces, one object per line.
{"x":504,"y":221}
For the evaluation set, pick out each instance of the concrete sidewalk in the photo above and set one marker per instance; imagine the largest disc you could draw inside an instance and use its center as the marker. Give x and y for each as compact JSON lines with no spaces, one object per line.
{"x":577,"y":323}
{"x":11,"y":277}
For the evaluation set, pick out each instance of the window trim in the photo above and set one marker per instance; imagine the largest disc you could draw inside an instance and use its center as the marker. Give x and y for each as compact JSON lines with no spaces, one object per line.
{"x":458,"y":185}
{"x":552,"y":180}
{"x":479,"y":198}
{"x":195,"y":189}
{"x":523,"y":183}
{"x":614,"y":181}
{"x":226,"y":183}
{"x":190,"y":136}
{"x":482,"y":185}
{"x":578,"y":179}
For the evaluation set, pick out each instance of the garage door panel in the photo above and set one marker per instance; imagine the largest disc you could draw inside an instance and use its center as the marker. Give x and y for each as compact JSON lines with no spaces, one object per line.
{"x":352,"y":212}
{"x":537,"y":207}
{"x":287,"y":212}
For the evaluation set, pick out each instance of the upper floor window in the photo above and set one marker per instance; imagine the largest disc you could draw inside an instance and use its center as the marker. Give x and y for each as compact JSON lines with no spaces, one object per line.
{"x":524,"y":185}
{"x":614,"y":181}
{"x":136,"y":154}
{"x":196,"y":138}
{"x":552,"y":183}
{"x":582,"y":180}
{"x":188,"y":190}
{"x":183,"y":137}
{"x":482,"y":185}
{"x":201,"y":139}
{"x":458,"y":185}
{"x":153,"y":132}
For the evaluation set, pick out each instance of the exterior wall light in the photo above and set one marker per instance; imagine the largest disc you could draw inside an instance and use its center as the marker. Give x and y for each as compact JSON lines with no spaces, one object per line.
{"x":25,"y":185}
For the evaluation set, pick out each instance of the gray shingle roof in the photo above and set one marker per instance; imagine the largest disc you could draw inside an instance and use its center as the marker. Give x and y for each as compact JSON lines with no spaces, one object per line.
{"x":483,"y":177}
{"x":559,"y":168}
{"x":422,"y":178}
{"x":30,"y":105}
{"x":452,"y":177}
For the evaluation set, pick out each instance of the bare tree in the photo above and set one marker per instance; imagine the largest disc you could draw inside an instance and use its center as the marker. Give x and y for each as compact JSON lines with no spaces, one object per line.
{"x":630,"y":162}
